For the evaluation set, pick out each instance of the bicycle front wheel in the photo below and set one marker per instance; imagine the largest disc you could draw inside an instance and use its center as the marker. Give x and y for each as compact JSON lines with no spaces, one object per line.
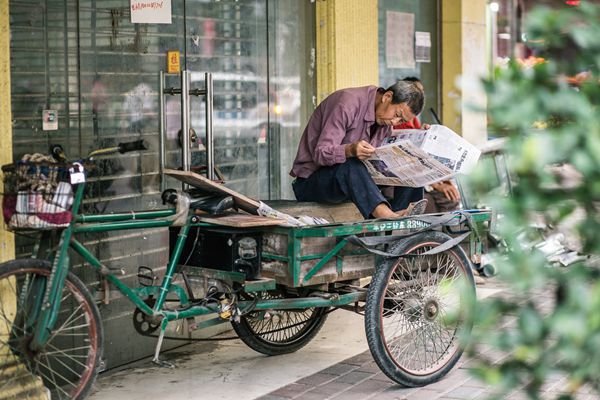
{"x":68,"y":362}
{"x":416,"y":308}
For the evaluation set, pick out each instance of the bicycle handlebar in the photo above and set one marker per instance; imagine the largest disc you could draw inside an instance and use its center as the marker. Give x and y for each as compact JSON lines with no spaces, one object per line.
{"x":137,"y":145}
{"x":126,"y":147}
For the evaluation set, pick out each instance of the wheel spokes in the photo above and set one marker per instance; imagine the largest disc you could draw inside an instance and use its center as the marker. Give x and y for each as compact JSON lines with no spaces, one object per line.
{"x":67,"y":358}
{"x":280,"y":326}
{"x":419,"y":310}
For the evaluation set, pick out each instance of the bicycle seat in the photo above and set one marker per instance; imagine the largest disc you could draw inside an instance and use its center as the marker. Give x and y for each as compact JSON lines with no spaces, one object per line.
{"x":211,"y":203}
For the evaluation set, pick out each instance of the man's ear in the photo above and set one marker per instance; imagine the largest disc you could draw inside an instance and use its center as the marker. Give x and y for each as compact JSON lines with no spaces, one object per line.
{"x":387,"y":97}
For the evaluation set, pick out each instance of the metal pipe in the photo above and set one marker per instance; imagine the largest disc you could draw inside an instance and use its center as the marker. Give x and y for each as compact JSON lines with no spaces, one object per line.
{"x":185,"y":122}
{"x":123,"y":225}
{"x":210,"y":154}
{"x":274,"y":304}
{"x":89,"y":218}
{"x":161,"y":134}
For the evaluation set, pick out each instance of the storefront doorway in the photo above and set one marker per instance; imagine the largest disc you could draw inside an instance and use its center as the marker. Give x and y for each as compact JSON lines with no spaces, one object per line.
{"x":86,"y":61}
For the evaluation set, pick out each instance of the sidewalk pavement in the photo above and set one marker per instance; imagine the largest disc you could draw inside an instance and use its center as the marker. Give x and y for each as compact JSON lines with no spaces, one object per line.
{"x":359,"y":378}
{"x":335,"y":365}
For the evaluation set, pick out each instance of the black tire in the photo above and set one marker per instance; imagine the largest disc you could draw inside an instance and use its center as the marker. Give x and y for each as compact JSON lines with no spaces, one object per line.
{"x":277,"y":332}
{"x":68,"y":363}
{"x":416,"y":308}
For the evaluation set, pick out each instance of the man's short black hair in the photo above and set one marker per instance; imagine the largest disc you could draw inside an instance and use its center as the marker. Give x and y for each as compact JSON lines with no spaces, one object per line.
{"x":409,"y":90}
{"x":411,"y":79}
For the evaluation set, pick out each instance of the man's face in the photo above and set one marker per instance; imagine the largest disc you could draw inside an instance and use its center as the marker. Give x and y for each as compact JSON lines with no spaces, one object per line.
{"x":389,"y":114}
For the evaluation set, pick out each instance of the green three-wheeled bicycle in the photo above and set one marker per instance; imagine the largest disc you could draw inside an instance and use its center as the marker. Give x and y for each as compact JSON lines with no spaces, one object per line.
{"x":411,"y":277}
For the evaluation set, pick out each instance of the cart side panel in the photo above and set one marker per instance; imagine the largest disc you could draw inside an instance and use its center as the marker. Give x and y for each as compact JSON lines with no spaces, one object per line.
{"x":347,"y":266}
{"x":352,"y":267}
{"x":290,"y":254}
{"x":277,"y":270}
{"x":276,"y":245}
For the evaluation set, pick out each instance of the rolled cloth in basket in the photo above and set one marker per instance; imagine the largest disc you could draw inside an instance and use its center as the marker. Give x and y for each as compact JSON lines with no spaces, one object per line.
{"x":37,"y":194}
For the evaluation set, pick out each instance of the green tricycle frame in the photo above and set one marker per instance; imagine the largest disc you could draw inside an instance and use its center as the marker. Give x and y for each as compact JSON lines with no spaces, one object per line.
{"x":388,"y":269}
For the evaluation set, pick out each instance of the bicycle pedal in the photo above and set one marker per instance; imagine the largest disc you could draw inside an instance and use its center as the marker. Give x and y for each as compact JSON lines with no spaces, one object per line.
{"x":146,"y":276}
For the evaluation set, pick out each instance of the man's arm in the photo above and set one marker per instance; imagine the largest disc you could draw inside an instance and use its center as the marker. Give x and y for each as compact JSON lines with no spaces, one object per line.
{"x":361,"y":150}
{"x":329,"y":149}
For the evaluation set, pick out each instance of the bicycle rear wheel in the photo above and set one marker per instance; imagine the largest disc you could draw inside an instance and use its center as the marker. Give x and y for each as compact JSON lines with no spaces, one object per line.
{"x":416,"y":307}
{"x":277,"y":332}
{"x":68,"y":362}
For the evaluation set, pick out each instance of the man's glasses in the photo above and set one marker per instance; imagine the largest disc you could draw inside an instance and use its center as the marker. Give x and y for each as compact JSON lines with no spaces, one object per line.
{"x":400,"y":115}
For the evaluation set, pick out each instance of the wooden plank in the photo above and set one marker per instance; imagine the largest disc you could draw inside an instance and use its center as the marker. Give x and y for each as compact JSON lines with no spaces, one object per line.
{"x":344,"y":212}
{"x":240,"y":220}
{"x":245,"y":203}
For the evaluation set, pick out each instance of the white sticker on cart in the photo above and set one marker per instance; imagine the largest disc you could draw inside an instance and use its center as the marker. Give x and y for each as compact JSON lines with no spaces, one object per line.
{"x":77,"y":175}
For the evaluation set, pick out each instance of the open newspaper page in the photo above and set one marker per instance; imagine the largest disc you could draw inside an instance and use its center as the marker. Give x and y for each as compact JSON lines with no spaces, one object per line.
{"x":404,"y":164}
{"x":418,"y":158}
{"x":443,"y":144}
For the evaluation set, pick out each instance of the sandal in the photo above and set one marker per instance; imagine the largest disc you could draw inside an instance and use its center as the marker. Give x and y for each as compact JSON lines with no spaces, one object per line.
{"x":416,"y":208}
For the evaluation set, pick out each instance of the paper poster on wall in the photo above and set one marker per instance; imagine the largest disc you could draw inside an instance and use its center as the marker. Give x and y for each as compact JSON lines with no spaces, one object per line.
{"x":150,"y":12}
{"x":49,"y":120}
{"x":422,"y":46}
{"x":399,"y":41}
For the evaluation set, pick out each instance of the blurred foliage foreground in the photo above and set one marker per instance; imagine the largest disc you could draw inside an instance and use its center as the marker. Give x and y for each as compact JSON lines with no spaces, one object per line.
{"x":549,"y":121}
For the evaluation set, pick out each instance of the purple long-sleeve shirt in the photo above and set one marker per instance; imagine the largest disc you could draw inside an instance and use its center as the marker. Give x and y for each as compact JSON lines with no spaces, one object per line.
{"x":345,"y":116}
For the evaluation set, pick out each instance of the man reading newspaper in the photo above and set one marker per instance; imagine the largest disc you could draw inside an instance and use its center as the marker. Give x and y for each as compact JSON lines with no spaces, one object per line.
{"x":343,"y":131}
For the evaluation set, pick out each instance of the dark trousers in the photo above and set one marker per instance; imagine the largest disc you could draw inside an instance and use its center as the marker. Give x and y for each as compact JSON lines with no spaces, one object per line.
{"x":351,"y":181}
{"x":437,"y":203}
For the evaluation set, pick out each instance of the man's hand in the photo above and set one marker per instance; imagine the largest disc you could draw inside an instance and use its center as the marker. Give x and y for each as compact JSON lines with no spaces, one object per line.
{"x":448,"y":189}
{"x":361,"y":150}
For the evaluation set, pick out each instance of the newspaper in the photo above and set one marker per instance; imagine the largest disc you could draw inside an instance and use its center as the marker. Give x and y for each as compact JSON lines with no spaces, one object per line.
{"x":266,"y":211}
{"x":302,"y":220}
{"x":416,"y":157}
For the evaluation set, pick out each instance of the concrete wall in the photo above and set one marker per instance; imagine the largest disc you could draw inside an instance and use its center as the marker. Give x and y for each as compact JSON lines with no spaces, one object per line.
{"x":6,"y":239}
{"x":464,"y":63}
{"x":347,"y":52}
{"x":24,"y":386}
{"x":347,"y":49}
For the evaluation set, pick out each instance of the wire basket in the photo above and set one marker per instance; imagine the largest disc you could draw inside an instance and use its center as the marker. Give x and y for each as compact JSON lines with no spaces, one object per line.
{"x":37,"y":195}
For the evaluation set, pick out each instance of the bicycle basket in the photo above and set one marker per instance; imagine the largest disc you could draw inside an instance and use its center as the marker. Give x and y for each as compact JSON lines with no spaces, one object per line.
{"x":37,"y":195}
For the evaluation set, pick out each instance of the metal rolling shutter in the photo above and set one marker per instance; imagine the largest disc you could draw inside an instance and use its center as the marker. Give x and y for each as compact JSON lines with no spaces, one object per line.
{"x":86,"y":60}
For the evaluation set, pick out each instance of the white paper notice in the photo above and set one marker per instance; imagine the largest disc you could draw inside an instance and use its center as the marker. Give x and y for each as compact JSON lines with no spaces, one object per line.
{"x":151,"y":12}
{"x":399,"y":40}
{"x":422,"y":46}
{"x":49,"y":120}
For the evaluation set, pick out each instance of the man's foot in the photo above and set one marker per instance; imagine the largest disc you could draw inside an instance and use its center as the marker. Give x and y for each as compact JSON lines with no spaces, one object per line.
{"x":384,"y":212}
{"x":416,"y":208}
